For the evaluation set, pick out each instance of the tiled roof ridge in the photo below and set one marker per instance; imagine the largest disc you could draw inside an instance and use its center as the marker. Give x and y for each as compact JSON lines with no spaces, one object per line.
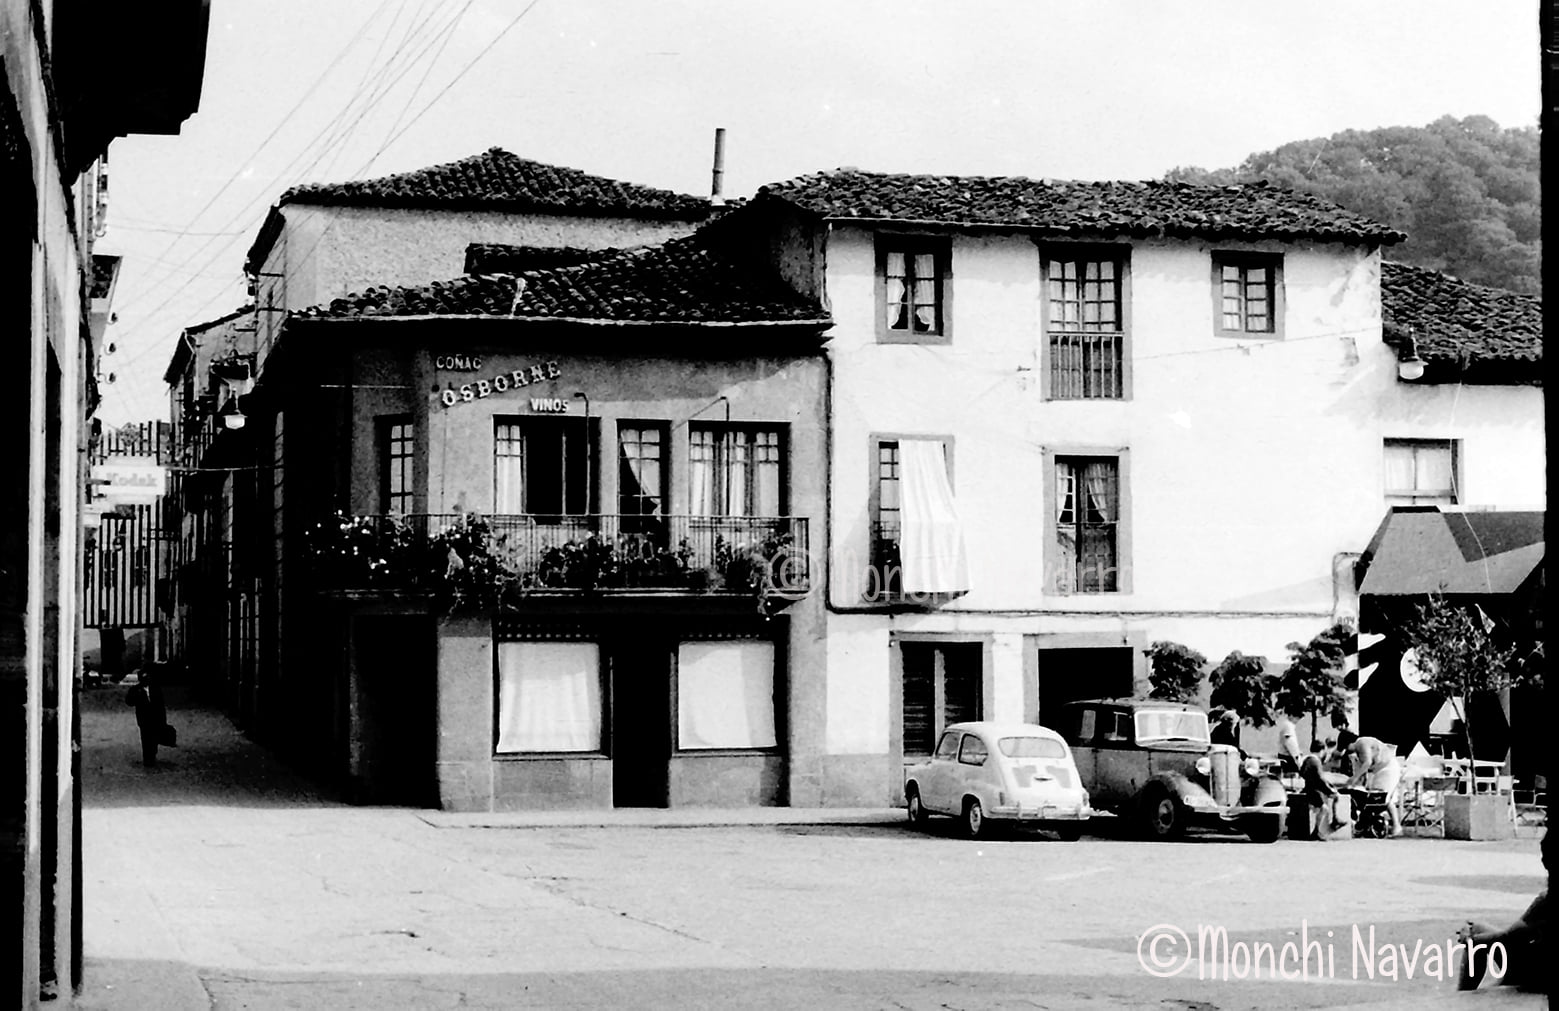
{"x":1451,"y":280}
{"x":499,"y":178}
{"x":1135,"y":207}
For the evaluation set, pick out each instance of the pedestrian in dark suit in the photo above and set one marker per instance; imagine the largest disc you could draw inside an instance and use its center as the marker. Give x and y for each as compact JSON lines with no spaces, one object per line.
{"x":151,"y":714}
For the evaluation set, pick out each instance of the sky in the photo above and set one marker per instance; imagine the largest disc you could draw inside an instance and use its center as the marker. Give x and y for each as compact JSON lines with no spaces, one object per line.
{"x":308,"y":91}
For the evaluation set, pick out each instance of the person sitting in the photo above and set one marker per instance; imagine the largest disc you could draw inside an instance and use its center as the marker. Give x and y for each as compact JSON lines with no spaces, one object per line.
{"x":1375,"y":767}
{"x":1321,"y":794}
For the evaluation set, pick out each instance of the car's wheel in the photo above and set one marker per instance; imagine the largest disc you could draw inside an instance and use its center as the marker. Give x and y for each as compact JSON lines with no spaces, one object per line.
{"x":917,"y":811}
{"x":1162,"y":815}
{"x":1263,"y":828}
{"x":974,"y":819}
{"x":1068,"y":833}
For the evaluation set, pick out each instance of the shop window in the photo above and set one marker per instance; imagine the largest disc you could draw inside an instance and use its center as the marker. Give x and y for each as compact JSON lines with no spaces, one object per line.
{"x":735,"y":471}
{"x":725,"y":695}
{"x":942,"y":686}
{"x":549,"y":697}
{"x":540,"y":467}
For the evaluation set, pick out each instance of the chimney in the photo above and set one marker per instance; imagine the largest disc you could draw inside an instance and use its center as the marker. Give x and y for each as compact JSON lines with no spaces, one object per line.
{"x":715,"y":197}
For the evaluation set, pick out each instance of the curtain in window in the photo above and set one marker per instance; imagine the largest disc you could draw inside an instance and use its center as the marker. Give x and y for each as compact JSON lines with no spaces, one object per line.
{"x":925,"y":291}
{"x":898,"y":292}
{"x":1432,"y":466}
{"x":1098,"y":565}
{"x":931,"y":540}
{"x":725,"y":695}
{"x":508,"y":471}
{"x":702,"y":460}
{"x":766,"y":474}
{"x":1399,"y":468}
{"x":738,"y":450}
{"x":549,"y":696}
{"x":638,"y":472}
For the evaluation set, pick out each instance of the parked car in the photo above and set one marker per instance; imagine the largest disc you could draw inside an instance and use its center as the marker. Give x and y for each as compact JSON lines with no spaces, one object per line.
{"x":1152,"y":761}
{"x":1014,"y":773}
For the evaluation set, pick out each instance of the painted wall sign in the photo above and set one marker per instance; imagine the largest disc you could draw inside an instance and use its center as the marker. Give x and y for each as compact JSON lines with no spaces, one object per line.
{"x":501,"y":382}
{"x":457,"y":363}
{"x":549,"y":405}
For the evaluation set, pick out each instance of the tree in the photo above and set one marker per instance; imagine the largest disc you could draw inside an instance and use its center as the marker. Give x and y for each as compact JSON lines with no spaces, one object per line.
{"x":1467,"y":193}
{"x":1177,"y":671}
{"x":1312,"y":684}
{"x":1459,"y":656}
{"x":1241,"y":683}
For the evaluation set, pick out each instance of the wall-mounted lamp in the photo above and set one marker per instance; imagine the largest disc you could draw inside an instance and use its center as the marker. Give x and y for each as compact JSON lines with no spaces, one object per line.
{"x":232,"y":417}
{"x":1410,"y":367}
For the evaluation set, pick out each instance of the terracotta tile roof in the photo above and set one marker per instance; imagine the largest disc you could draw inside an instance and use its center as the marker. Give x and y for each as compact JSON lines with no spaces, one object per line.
{"x":500,"y":258}
{"x":1181,"y":210}
{"x":690,"y":280}
{"x":498,"y":180}
{"x":1464,"y":332}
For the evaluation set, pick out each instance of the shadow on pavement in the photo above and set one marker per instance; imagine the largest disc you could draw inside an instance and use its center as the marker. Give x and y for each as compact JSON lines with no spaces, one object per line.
{"x":1099,"y":828}
{"x":796,"y":988}
{"x":214,"y":764}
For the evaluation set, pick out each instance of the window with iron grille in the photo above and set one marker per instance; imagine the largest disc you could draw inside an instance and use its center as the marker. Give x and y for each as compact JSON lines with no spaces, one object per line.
{"x":942,"y":686}
{"x":1085,"y":324}
{"x":1087,"y":525}
{"x":395,"y":465}
{"x":915,"y":287}
{"x":1248,"y":293}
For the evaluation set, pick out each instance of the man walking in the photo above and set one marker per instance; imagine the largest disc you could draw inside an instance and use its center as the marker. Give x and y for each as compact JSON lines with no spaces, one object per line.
{"x":151,"y":714}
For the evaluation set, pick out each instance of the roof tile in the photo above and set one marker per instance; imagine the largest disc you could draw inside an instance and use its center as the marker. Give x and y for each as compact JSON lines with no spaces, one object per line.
{"x":1465,"y":332}
{"x":1182,"y":210}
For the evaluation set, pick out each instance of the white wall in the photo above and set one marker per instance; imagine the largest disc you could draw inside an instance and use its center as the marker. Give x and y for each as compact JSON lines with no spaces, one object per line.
{"x":1251,"y":464}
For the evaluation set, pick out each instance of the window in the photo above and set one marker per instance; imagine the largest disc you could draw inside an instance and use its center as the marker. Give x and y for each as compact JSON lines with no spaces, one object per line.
{"x":725,"y":695}
{"x":913,"y":281}
{"x":395,"y":463}
{"x":1087,"y":524}
{"x":540,"y":467}
{"x":1421,"y":472}
{"x":735,"y":471}
{"x":938,"y":563}
{"x":1248,"y":293}
{"x":549,"y":697}
{"x":942,"y":686}
{"x":947,"y":747}
{"x":1085,"y":323}
{"x":973,"y":751}
{"x":641,"y":472}
{"x":1086,"y":720}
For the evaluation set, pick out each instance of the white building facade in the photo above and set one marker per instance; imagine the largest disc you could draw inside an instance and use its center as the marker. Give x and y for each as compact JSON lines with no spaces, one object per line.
{"x":1164,"y":414}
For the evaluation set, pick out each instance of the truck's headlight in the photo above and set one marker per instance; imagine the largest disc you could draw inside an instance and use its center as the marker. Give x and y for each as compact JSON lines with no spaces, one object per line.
{"x":1204,"y":765}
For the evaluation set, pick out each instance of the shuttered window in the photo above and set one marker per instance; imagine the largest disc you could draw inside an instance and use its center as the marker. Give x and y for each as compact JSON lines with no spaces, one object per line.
{"x":941,"y":687}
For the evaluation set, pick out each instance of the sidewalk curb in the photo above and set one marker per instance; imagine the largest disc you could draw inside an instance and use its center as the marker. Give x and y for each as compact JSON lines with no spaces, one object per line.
{"x":664,"y":819}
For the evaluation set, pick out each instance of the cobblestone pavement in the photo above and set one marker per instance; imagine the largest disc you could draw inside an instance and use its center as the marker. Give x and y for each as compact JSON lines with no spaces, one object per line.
{"x":221,"y":880}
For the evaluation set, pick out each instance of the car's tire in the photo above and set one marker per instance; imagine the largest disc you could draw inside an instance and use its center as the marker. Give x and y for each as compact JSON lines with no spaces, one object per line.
{"x":1161,"y":815}
{"x":1263,"y":828}
{"x":917,"y":811}
{"x":975,"y":823}
{"x":1068,"y":833}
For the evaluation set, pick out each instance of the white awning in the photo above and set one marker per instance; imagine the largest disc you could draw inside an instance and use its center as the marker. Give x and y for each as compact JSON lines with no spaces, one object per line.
{"x":931,"y":540}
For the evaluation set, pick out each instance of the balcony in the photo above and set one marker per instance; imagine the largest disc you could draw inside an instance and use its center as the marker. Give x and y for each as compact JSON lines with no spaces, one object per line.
{"x":479,"y":562}
{"x":1085,"y":366}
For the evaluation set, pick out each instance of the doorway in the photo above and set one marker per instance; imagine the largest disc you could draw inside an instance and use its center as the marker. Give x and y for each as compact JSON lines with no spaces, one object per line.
{"x":1090,"y":672}
{"x":641,"y":721}
{"x":395,"y":671}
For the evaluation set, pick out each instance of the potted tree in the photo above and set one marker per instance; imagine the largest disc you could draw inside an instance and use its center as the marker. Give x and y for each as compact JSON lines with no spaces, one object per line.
{"x":1176,"y":671}
{"x":1458,"y":656}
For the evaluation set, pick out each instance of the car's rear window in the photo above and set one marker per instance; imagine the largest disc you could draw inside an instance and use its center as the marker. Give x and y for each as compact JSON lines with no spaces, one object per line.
{"x":1031,"y":747}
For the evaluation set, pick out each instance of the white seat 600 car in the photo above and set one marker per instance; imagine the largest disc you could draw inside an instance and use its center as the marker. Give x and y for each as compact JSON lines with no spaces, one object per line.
{"x":1012,"y":773}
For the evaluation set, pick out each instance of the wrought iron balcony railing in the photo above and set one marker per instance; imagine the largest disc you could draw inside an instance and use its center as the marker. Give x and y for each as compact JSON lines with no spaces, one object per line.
{"x":736,"y":554}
